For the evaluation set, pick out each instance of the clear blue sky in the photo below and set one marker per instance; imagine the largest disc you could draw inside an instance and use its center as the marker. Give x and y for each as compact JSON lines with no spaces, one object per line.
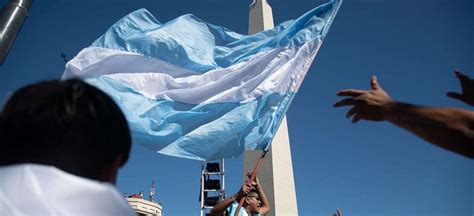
{"x":366,"y":169}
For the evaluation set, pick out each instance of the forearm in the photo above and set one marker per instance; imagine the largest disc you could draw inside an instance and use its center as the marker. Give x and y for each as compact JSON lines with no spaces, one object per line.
{"x":221,"y":206}
{"x":265,"y":208}
{"x":449,"y":128}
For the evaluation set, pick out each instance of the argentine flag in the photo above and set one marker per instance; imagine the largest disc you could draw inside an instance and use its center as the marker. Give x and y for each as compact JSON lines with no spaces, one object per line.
{"x":195,"y":90}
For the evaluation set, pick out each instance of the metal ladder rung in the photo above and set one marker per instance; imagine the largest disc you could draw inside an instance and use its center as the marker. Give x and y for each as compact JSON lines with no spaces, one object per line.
{"x":205,"y":175}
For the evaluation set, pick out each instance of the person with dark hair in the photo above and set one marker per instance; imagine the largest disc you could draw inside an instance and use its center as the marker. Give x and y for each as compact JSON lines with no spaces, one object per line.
{"x":448,"y":128}
{"x":62,"y":143}
{"x":255,"y":201}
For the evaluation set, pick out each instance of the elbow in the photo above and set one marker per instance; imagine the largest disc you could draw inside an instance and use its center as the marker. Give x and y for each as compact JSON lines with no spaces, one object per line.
{"x":264,"y":210}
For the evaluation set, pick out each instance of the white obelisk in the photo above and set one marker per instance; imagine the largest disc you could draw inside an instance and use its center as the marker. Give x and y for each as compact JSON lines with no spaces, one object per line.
{"x":276,"y":174}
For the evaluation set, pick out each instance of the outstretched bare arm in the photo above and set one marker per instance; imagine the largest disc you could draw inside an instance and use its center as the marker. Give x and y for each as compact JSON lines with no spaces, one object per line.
{"x":449,"y":128}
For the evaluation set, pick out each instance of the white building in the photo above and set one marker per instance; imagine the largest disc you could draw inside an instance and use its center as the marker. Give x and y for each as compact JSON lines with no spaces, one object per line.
{"x":144,"y":207}
{"x":276,"y":174}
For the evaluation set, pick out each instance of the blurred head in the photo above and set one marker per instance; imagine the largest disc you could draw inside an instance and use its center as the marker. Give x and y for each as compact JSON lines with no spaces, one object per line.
{"x":252,"y":201}
{"x":67,"y":124}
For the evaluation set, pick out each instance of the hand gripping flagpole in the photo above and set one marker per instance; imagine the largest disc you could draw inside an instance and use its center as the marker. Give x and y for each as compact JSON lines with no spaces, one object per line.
{"x":252,"y":178}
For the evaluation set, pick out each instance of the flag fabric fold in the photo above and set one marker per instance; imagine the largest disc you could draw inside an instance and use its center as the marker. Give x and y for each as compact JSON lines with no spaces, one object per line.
{"x":195,"y":90}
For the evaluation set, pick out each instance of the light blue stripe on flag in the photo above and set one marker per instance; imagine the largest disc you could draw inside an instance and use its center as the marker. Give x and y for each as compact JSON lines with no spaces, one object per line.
{"x":194,"y":44}
{"x":199,"y":91}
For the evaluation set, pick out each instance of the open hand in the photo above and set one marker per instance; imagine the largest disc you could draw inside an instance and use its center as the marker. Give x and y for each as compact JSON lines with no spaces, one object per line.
{"x":367,"y":104}
{"x":467,"y":87}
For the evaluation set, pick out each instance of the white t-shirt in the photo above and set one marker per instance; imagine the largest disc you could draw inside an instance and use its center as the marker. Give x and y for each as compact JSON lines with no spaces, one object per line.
{"x":31,"y":189}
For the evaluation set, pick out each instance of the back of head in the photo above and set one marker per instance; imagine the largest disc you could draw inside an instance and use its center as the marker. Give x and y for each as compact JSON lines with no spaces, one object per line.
{"x":67,"y":124}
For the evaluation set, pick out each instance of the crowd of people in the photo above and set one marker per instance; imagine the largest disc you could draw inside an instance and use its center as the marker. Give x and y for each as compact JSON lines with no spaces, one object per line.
{"x":66,"y":140}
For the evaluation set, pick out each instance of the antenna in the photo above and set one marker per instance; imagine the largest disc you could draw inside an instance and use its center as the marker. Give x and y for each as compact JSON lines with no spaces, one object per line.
{"x":152,"y":191}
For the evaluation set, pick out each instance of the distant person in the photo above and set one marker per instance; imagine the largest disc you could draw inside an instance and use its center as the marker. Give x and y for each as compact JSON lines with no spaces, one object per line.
{"x":255,"y":204}
{"x":138,"y":195}
{"x":62,"y":143}
{"x":448,"y":128}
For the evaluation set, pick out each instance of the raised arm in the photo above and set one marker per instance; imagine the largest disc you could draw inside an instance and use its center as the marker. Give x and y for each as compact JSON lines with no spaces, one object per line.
{"x":449,"y":128}
{"x":265,"y":205}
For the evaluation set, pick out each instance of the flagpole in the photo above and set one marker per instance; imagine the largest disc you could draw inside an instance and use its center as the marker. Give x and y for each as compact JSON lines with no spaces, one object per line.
{"x":252,"y":178}
{"x":278,"y":168}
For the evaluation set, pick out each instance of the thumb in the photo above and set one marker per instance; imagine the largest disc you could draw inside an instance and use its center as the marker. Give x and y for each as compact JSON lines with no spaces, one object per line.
{"x":455,"y":95}
{"x":374,"y":83}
